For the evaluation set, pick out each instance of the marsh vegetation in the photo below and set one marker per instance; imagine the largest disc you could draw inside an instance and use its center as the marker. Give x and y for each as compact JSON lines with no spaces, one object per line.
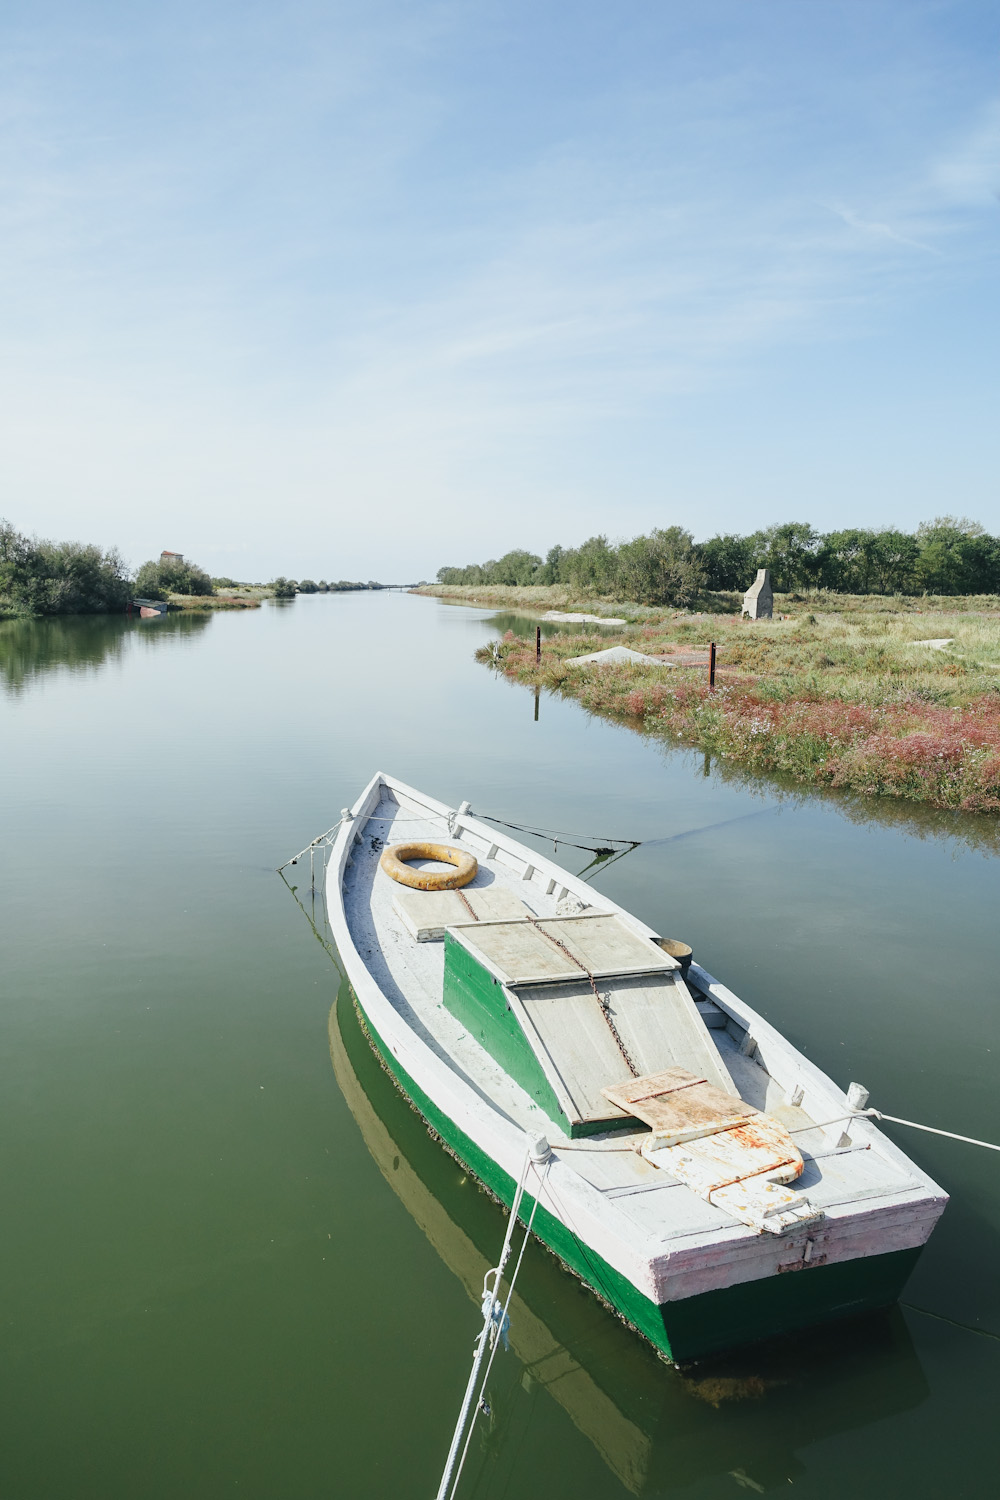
{"x":855,"y":698}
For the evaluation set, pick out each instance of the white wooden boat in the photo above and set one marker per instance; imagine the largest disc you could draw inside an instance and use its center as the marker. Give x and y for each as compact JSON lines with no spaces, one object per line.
{"x":584,"y":1361}
{"x":533,"y":1007}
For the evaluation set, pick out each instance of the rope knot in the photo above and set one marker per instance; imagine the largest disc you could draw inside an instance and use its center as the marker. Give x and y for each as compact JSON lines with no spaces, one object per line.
{"x":499,"y":1322}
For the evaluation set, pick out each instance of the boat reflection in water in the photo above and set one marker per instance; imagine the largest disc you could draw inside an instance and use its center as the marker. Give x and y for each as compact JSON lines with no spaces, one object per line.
{"x":747,"y":1414}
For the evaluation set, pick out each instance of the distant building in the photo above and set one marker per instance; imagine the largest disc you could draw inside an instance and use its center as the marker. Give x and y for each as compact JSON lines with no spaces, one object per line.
{"x":171,"y":557}
{"x":758,"y":601}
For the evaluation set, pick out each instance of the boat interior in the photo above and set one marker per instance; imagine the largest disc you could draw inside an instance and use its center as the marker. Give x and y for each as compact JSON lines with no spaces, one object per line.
{"x":549,"y":1004}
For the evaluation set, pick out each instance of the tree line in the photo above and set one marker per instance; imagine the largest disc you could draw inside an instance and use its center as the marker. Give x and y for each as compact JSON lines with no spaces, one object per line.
{"x":287,"y":588}
{"x":948,"y":555}
{"x":76,"y":578}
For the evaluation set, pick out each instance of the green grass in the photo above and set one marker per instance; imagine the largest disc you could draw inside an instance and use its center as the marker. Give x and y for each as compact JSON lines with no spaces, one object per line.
{"x":846,"y":698}
{"x":213,"y":601}
{"x":819,"y":601}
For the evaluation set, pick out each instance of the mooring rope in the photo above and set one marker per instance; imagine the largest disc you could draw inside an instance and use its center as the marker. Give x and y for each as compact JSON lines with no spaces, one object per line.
{"x":321,"y":841}
{"x":877,"y":1114}
{"x":496,"y":1320}
{"x":559,"y":837}
{"x":499,"y":1331}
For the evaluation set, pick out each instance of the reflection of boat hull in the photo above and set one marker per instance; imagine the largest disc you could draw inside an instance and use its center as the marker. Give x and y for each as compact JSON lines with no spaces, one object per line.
{"x":598,"y":1374}
{"x":623,"y":1446}
{"x":689,"y":1292}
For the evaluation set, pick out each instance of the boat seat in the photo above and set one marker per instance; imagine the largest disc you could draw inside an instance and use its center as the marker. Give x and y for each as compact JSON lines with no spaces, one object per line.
{"x":426,"y":914}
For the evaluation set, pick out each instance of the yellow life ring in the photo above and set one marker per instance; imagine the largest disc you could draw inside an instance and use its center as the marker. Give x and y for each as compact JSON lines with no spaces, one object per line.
{"x":394,"y":864}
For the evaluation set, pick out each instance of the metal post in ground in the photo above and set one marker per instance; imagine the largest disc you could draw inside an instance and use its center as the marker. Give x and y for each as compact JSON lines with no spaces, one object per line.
{"x":538,"y":644}
{"x":711,"y":666}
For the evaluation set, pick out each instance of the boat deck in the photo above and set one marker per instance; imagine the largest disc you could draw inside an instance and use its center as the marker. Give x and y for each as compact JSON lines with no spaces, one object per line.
{"x":840,"y":1172}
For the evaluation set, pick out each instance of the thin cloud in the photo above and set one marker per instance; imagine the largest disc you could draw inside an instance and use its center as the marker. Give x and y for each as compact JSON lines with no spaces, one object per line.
{"x":876,"y":230}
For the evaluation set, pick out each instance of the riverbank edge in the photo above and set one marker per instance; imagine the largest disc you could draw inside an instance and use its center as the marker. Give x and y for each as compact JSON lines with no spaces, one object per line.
{"x":558,"y":596}
{"x":947,"y":757}
{"x":188,"y":602}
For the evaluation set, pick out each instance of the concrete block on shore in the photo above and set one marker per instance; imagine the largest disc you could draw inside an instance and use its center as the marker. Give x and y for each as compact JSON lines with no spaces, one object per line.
{"x":578,"y":619}
{"x":758,"y":601}
{"x":618,"y":654}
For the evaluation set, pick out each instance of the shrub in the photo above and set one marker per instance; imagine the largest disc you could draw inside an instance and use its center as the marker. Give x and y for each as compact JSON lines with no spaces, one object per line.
{"x":59,"y":578}
{"x":283,"y":588}
{"x":158,"y":579}
{"x":306,"y":586}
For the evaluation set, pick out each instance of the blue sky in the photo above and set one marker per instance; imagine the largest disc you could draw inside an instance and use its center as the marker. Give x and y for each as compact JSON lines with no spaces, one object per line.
{"x":353,"y":290}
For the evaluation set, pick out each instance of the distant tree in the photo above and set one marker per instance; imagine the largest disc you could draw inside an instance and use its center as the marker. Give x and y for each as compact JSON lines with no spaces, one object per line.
{"x":472,"y":573}
{"x":858,"y":561}
{"x":730,"y":561}
{"x":158,"y":579}
{"x":957,"y":557}
{"x":516,"y":568}
{"x":283,"y":588}
{"x":549,"y":572}
{"x":661,"y":568}
{"x":948,"y":555}
{"x":891,"y":560}
{"x":842,"y":561}
{"x":306,"y":586}
{"x":59,"y":578}
{"x":591,"y":567}
{"x":323,"y":586}
{"x":226,"y":583}
{"x":791,"y":552}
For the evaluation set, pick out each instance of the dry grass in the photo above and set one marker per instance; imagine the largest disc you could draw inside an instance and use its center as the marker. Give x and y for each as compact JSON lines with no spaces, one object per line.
{"x":213,"y":601}
{"x":819,"y":601}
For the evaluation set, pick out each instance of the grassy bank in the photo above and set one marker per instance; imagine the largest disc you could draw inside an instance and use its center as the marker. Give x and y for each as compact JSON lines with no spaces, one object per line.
{"x":847,"y":699}
{"x":231,"y":599}
{"x":560,"y":596}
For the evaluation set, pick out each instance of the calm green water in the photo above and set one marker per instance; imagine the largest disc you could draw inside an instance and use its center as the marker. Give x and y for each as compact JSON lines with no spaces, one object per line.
{"x":212,"y":1284}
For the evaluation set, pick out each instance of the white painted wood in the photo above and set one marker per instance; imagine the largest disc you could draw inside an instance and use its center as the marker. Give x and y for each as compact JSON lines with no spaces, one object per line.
{"x":654,"y":1016}
{"x":426,"y":914}
{"x":660,"y":1236}
{"x":532,"y":952}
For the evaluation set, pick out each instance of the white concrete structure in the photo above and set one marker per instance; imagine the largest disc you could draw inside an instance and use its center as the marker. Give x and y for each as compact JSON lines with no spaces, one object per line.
{"x":758,"y":601}
{"x":616,"y":654}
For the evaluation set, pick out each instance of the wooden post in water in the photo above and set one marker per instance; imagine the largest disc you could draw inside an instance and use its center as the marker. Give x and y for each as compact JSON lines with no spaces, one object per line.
{"x":711,"y":667}
{"x":538,"y":644}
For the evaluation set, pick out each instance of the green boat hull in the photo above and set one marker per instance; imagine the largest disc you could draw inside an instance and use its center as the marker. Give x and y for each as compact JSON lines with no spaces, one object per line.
{"x":692,"y":1327}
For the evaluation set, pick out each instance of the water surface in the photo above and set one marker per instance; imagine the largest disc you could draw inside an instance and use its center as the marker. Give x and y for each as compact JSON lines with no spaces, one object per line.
{"x":211,"y":1284}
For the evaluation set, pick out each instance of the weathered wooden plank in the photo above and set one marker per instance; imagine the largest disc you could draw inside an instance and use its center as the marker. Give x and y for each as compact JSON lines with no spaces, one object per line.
{"x":604,"y":945}
{"x":655,"y":1018}
{"x":561,"y":947}
{"x":678,"y":1104}
{"x":426,"y":914}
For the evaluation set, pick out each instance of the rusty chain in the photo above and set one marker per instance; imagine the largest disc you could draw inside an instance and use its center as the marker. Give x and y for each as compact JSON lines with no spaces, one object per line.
{"x":601,"y":999}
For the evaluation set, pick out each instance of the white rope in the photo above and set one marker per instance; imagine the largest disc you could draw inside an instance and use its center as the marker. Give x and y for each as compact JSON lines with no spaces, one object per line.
{"x":492,"y":1330}
{"x":501,"y":1325}
{"x":594,"y":1147}
{"x":322,"y":840}
{"x":968,"y":1140}
{"x":876,"y":1114}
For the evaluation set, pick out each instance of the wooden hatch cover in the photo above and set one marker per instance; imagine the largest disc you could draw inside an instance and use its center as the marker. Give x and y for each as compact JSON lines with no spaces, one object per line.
{"x":678,"y":1105}
{"x":731,"y":1154}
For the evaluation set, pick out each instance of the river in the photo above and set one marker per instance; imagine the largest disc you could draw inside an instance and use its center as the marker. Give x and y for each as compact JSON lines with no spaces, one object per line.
{"x":229,"y":1269}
